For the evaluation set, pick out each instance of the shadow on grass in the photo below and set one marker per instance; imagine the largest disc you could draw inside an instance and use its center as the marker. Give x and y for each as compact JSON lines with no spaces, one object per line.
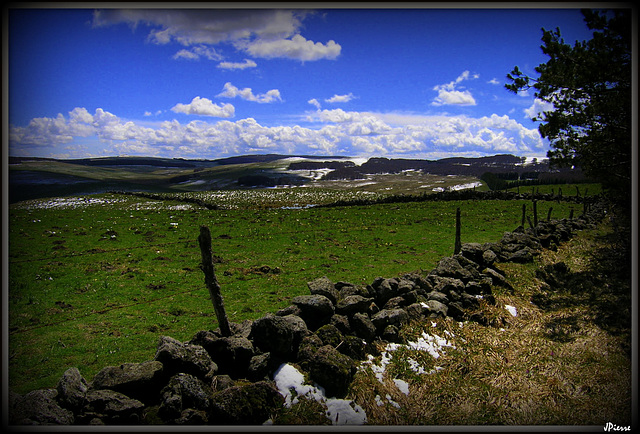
{"x":603,"y":288}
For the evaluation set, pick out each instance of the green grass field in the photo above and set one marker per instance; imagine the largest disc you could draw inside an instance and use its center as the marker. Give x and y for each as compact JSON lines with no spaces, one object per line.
{"x":96,"y":282}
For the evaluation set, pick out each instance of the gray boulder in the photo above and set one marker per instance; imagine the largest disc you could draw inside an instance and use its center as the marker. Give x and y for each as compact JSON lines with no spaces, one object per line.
{"x":72,"y":388}
{"x":136,"y":380}
{"x":112,"y":407}
{"x":341,"y":322}
{"x":274,"y":334}
{"x":352,"y":304}
{"x":289,"y":310}
{"x":187,"y":358}
{"x":299,"y":329}
{"x":456,"y":311}
{"x":221,"y":382}
{"x":489,"y":257}
{"x":438,"y":296}
{"x":497,"y":278}
{"x":252,"y":404}
{"x":385,"y":289}
{"x":192,"y":417}
{"x":363,"y":327}
{"x":450,"y":267}
{"x":416,"y":311}
{"x":324,"y":286}
{"x":387,"y":317}
{"x":262,"y":366}
{"x":395,"y":303}
{"x":38,"y":407}
{"x":330,"y":335}
{"x":469,"y":301}
{"x":521,"y":256}
{"x":519,"y":239}
{"x":231,"y":354}
{"x":391,"y":333}
{"x":446,"y":285}
{"x":473,"y":252}
{"x":436,"y":309}
{"x":308,"y":348}
{"x":421,"y":284}
{"x":353,"y":347}
{"x":332,"y":370}
{"x":183,"y":392}
{"x":315,"y":310}
{"x":405,"y":286}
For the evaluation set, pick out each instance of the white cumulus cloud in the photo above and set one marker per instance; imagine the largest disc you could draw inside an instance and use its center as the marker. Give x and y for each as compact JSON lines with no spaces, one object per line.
{"x":314,"y":102}
{"x":297,"y":47}
{"x":248,"y":63}
{"x":448,"y":94}
{"x":324,"y":132}
{"x":194,"y":53}
{"x":538,"y":108}
{"x":340,"y":98}
{"x":454,"y":97}
{"x":231,"y":91}
{"x":204,"y":107}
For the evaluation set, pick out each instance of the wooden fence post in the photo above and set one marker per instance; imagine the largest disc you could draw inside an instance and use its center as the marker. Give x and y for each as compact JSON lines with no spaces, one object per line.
{"x":204,"y":239}
{"x":529,"y":220}
{"x":549,"y":214}
{"x":458,"y":244}
{"x":535,"y":213}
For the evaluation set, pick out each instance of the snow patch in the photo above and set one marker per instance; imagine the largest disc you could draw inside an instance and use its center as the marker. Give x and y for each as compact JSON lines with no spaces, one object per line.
{"x":457,"y":187}
{"x":512,"y":310}
{"x":290,"y":384}
{"x":433,"y":344}
{"x":402,"y":385}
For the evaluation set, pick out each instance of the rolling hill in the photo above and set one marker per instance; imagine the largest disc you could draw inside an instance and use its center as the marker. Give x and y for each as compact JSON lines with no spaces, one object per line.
{"x":31,"y":178}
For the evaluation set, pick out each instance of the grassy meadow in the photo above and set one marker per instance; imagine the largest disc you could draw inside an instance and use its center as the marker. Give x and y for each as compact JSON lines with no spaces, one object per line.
{"x":95,"y":281}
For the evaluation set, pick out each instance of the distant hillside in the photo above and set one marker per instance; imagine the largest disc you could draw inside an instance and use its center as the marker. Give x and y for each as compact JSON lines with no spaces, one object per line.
{"x":505,"y":166}
{"x":31,"y":178}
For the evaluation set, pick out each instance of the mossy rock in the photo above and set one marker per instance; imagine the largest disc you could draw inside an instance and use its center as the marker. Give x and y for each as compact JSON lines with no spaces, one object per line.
{"x":333,"y":370}
{"x":251,"y":404}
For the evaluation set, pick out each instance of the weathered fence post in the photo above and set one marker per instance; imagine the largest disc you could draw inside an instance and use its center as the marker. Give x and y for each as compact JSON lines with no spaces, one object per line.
{"x":458,"y":244}
{"x":585,"y":204}
{"x":530,"y":224}
{"x":204,"y":239}
{"x":549,"y":214}
{"x":535,"y":213}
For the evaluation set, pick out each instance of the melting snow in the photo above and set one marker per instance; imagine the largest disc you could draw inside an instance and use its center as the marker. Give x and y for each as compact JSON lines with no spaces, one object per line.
{"x":402,"y":385}
{"x":340,"y":411}
{"x":433,"y":344}
{"x":391,"y":401}
{"x":457,"y":187}
{"x":512,"y":310}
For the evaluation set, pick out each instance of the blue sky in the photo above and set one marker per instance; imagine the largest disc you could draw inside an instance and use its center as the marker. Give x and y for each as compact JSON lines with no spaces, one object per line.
{"x":412,"y":83}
